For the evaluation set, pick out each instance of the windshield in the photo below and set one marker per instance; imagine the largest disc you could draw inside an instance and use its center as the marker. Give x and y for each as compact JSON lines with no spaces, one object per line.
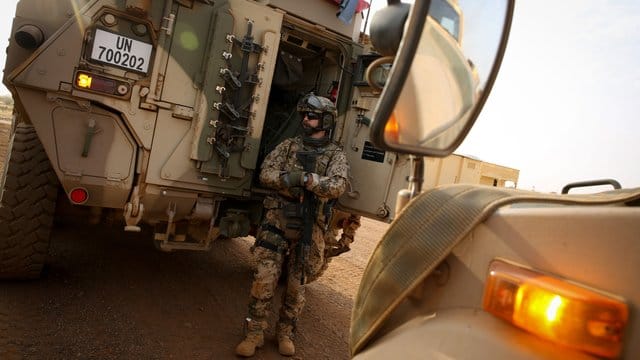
{"x":447,"y":16}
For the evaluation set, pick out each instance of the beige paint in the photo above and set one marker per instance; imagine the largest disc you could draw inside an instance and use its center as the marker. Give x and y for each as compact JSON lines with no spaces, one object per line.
{"x":596,"y":246}
{"x":62,"y":124}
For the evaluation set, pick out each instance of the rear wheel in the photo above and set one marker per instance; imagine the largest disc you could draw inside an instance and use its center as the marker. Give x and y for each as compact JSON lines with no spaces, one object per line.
{"x":28,"y":192}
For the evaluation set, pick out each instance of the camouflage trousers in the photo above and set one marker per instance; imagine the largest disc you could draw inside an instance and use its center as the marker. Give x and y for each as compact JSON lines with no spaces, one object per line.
{"x":271,"y":259}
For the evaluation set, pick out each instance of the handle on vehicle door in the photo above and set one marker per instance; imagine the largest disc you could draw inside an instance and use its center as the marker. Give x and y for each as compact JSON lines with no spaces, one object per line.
{"x":614,"y":183}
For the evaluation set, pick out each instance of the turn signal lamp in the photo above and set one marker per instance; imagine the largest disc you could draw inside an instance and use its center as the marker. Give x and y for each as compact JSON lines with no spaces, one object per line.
{"x":392,"y":130}
{"x":84,"y":81}
{"x":556,"y":309}
{"x":101,"y":84}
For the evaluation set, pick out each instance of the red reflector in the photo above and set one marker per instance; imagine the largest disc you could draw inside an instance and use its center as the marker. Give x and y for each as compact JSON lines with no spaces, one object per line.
{"x":103,"y":85}
{"x":78,"y":195}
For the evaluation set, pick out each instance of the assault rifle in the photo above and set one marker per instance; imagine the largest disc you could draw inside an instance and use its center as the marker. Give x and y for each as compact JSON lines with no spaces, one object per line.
{"x":309,"y":209}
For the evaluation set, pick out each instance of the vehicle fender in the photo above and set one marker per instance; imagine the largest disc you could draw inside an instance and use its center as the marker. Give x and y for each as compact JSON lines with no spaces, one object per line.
{"x":463,"y":334}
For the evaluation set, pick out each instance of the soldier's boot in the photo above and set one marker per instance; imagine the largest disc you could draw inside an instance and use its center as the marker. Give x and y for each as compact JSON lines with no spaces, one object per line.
{"x":286,"y":346}
{"x":253,"y":339}
{"x":336,"y":250}
{"x":341,"y":247}
{"x":285,"y":342}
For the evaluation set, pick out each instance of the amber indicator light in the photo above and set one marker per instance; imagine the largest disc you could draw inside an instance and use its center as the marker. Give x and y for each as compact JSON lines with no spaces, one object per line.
{"x":392,"y":130}
{"x":96,"y":83}
{"x":556,"y":309}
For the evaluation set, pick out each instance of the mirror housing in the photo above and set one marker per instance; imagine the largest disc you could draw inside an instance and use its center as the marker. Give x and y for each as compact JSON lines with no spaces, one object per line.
{"x":387,"y":27}
{"x":434,"y":92}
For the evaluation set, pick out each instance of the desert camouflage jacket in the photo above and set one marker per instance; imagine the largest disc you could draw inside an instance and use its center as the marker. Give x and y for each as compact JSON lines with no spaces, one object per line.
{"x":331,"y":166}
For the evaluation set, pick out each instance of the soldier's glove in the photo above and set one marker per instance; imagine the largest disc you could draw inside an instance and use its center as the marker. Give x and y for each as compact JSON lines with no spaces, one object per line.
{"x":293,"y":178}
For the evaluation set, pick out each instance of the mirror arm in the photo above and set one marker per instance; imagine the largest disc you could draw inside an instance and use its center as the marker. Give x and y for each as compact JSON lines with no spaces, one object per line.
{"x":378,"y":63}
{"x":415,"y":179}
{"x":417,"y":175}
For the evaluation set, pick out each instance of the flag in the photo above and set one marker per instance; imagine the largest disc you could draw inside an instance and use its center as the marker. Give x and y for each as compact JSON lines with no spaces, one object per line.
{"x":348,"y":8}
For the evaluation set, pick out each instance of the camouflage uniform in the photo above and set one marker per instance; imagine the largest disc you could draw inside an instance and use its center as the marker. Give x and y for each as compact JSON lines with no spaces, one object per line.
{"x":349,"y":224}
{"x":275,"y":240}
{"x":334,"y":246}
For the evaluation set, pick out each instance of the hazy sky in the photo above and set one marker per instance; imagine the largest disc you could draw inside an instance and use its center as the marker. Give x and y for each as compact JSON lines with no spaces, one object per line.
{"x":6,"y":17}
{"x":566,"y":104}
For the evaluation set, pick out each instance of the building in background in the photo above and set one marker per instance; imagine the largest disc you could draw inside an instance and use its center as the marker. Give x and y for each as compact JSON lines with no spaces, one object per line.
{"x":461,"y":169}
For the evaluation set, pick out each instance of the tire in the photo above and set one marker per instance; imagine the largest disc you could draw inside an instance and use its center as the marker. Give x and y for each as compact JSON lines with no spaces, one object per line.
{"x":27,"y":206}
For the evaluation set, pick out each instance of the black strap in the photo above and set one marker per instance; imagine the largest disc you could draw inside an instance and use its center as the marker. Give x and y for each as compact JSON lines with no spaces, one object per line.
{"x":269,"y":246}
{"x":273,"y":229}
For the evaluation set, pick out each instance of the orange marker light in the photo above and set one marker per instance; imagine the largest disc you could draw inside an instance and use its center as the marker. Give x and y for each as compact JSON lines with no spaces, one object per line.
{"x":83,"y":80}
{"x":559,"y":310}
{"x":392,"y":130}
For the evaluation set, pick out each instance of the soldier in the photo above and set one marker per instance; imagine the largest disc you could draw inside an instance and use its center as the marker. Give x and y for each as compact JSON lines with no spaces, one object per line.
{"x":307,"y":171}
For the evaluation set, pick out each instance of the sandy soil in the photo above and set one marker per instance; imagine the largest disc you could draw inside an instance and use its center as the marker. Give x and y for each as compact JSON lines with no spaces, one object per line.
{"x":107,"y":294}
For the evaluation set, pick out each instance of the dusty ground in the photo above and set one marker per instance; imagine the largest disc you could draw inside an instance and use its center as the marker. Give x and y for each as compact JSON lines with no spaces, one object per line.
{"x":106,"y":294}
{"x":110,"y":295}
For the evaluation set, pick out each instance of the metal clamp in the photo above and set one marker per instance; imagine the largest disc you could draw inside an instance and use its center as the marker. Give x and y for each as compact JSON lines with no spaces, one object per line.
{"x":170,"y":20}
{"x":133,"y":211}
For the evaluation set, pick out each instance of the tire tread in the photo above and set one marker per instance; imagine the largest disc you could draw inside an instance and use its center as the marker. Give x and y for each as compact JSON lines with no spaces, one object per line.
{"x":27,"y":207}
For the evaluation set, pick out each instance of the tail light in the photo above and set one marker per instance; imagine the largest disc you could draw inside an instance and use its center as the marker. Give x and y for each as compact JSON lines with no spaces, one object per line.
{"x":79,"y":195}
{"x":101,"y":84}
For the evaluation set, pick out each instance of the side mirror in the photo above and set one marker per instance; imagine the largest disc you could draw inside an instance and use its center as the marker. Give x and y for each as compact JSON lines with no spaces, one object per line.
{"x":443,"y":72}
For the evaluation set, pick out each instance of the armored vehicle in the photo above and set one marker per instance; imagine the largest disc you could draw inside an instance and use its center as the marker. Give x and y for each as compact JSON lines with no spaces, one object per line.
{"x":160,"y":113}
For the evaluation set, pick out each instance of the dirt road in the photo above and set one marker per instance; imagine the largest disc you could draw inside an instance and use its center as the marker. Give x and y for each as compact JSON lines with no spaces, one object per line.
{"x":107,"y":294}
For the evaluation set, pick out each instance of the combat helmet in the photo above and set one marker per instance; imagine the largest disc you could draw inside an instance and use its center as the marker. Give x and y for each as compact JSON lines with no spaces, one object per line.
{"x":325,"y":109}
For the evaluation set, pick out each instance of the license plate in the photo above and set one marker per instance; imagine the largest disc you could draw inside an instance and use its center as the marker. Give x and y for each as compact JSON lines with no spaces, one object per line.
{"x":121,"y":51}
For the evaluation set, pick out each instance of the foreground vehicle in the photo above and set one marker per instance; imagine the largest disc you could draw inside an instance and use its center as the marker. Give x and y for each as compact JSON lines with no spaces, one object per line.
{"x":459,"y":273}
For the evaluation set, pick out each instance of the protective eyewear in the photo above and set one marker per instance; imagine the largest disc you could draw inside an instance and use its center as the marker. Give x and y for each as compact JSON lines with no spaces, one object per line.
{"x":312,"y":116}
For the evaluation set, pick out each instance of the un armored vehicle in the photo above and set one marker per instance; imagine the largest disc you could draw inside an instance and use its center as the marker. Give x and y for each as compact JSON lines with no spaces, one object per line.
{"x":159,"y":113}
{"x":162,"y":111}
